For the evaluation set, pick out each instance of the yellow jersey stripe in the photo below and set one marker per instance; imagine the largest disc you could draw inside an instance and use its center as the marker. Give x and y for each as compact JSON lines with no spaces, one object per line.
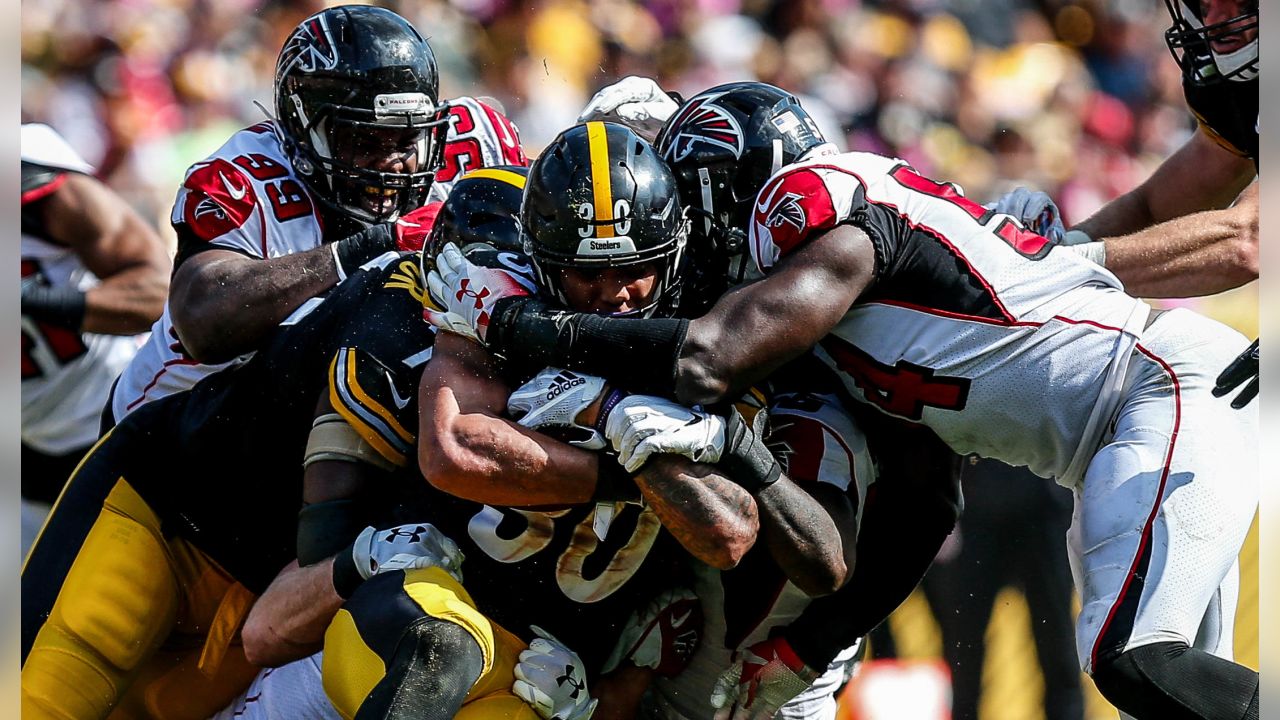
{"x":598,"y":145}
{"x":340,"y":403}
{"x":371,"y":404}
{"x":505,"y":176}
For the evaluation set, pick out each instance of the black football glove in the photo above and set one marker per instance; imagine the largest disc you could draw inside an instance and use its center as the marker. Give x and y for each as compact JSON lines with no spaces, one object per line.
{"x":1244,"y":367}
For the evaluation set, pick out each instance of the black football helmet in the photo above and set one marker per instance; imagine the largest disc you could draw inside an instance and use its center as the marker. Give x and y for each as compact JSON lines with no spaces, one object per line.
{"x":360,"y":80}
{"x":1192,"y":42}
{"x":723,"y":144}
{"x":599,"y":196}
{"x":482,"y":208}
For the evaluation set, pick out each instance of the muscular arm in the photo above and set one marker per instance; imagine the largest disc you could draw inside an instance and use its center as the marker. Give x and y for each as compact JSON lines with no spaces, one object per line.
{"x":755,"y":329}
{"x":288,"y":621}
{"x":466,"y":447}
{"x":1177,"y":234}
{"x":118,"y":246}
{"x":712,"y":517}
{"x":916,"y":506}
{"x":811,"y":533}
{"x":224,"y":303}
{"x":744,"y":337}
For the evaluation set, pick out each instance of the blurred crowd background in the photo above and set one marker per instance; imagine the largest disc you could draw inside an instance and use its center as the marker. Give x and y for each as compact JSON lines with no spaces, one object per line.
{"x":1079,"y":98}
{"x":1076,"y":97}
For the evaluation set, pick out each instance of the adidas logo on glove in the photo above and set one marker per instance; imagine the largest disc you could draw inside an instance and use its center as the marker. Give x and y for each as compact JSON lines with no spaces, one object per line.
{"x":562,"y":383}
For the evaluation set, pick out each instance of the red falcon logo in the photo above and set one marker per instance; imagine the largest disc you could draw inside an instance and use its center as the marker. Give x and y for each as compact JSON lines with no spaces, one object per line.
{"x":703,"y":121}
{"x":787,"y":210}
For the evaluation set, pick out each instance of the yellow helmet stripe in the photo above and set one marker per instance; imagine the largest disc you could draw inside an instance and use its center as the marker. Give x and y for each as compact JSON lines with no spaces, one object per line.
{"x":505,"y":176}
{"x":598,"y":145}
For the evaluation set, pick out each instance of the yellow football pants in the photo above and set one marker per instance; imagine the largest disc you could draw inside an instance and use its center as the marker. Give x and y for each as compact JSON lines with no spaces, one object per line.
{"x":142,"y":626}
{"x":354,"y":663}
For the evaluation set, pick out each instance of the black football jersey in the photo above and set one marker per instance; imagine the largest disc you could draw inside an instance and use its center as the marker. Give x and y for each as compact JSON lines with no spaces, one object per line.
{"x":221,"y":464}
{"x":577,"y":572}
{"x":1228,"y":111}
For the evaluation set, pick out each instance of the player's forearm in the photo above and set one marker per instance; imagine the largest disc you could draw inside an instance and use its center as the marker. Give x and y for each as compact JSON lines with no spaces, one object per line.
{"x":224,"y":306}
{"x":1198,"y":254}
{"x":1126,"y":214}
{"x":288,"y":621}
{"x":712,"y":517}
{"x":128,"y":302}
{"x":495,"y":461}
{"x":804,"y":539}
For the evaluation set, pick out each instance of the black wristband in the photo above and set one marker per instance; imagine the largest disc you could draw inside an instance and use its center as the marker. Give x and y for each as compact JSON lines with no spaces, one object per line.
{"x":614,"y":483}
{"x":346,"y":578}
{"x":324,"y":527}
{"x":747,"y":461}
{"x":639,"y":355}
{"x":62,"y":306}
{"x":360,"y":248}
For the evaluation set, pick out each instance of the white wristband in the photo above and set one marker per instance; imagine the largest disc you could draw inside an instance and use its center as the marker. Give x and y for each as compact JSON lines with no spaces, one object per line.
{"x":1095,"y":252}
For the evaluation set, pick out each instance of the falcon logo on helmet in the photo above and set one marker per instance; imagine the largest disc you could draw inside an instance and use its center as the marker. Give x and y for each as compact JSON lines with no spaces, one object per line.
{"x":787,"y":210}
{"x":703,"y":121}
{"x":312,"y":47}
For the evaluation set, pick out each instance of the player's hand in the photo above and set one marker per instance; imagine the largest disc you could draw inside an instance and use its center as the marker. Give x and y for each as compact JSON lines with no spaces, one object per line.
{"x":411,"y":230}
{"x":1034,"y":209}
{"x":764,"y":678}
{"x":553,"y":399}
{"x":551,"y":679}
{"x":1244,"y":367}
{"x":662,"y":636}
{"x":405,"y":547}
{"x":637,"y":102}
{"x":642,"y":425}
{"x":464,"y":293}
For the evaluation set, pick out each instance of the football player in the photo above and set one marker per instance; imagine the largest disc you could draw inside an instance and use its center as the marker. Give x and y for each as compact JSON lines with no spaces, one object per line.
{"x":355,"y":162}
{"x":1192,"y":227}
{"x":150,"y":561}
{"x":937,"y":311}
{"x":94,"y":276}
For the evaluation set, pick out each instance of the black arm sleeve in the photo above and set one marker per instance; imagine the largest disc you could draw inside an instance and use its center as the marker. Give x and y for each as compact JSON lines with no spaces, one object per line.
{"x":638,"y":355}
{"x":914,"y":506}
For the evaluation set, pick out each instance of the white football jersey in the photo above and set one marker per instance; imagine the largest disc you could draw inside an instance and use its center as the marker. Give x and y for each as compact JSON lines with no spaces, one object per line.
{"x":247,"y":197}
{"x":66,"y":375}
{"x":973,"y":326}
{"x":817,"y":441}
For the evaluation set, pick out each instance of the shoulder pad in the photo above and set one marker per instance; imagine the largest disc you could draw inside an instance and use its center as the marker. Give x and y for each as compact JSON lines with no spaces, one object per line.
{"x":220,"y":199}
{"x":797,"y":203}
{"x":43,"y":145}
{"x":369,"y":396}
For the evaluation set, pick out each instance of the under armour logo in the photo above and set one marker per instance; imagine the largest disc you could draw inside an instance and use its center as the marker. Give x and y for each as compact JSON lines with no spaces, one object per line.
{"x":573,"y":682}
{"x":466,"y":291}
{"x":403,"y":531}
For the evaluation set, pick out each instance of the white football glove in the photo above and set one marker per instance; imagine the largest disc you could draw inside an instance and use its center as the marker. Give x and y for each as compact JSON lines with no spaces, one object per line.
{"x":765,"y":677}
{"x":464,"y":293}
{"x":642,"y":425}
{"x":662,"y":635}
{"x":405,"y":547}
{"x":553,"y":399}
{"x":551,"y":679}
{"x":1034,"y":209}
{"x":637,"y":102}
